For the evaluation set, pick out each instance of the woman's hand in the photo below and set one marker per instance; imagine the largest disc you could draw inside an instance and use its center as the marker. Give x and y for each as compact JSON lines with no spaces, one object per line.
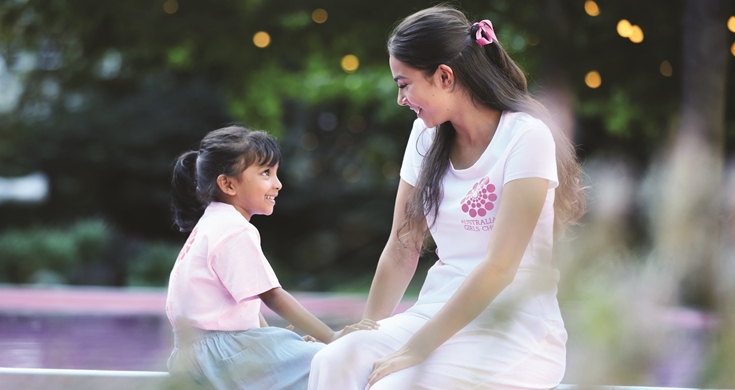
{"x":399,"y":360}
{"x":366,"y":324}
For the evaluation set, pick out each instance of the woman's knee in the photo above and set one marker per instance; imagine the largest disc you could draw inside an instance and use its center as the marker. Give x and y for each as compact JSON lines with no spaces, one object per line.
{"x":340,"y":350}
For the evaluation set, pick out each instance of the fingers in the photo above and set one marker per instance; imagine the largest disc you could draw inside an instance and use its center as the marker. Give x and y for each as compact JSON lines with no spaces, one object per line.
{"x":309,"y":339}
{"x":380,"y":369}
{"x":366,"y":324}
{"x":289,"y":327}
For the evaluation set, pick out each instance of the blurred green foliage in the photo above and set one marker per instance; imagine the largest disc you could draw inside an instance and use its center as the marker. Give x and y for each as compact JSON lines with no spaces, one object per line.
{"x":105,"y":95}
{"x":87,"y":252}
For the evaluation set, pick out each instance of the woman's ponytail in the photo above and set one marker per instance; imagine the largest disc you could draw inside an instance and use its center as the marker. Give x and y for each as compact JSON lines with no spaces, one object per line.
{"x":186,"y":206}
{"x":443,"y":35}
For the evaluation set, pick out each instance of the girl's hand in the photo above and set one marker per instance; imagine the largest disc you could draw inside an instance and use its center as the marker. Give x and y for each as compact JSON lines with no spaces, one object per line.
{"x":366,"y":324}
{"x":306,"y":337}
{"x":399,"y":360}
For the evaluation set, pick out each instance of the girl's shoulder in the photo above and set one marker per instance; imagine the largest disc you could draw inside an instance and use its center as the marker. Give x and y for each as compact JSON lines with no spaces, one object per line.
{"x":223,"y":220}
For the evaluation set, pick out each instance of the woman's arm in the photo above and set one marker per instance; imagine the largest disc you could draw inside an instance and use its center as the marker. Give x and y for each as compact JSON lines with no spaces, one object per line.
{"x":263,"y":322}
{"x":397,"y":263}
{"x":286,"y":306}
{"x":518,"y":213}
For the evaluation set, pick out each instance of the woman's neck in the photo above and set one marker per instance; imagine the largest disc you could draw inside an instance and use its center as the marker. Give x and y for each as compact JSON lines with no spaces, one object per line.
{"x":475,"y":127}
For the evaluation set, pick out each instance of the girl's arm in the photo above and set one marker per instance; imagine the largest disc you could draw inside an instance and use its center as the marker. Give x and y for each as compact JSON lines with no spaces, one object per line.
{"x":397,"y":263}
{"x":286,"y":306}
{"x":518,"y":213}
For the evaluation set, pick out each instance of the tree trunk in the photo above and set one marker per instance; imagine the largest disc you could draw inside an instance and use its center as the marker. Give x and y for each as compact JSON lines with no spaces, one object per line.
{"x":704,"y":73}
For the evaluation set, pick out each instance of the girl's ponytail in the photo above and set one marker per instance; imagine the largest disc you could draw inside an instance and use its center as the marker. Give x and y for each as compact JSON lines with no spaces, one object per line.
{"x":186,"y":206}
{"x":226,"y":151}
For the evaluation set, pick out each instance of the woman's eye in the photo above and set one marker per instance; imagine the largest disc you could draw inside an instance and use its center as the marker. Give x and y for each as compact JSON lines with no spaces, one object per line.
{"x":401,"y":86}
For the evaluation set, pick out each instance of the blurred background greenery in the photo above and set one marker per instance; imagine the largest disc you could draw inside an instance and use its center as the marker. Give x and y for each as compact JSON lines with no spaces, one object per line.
{"x":99,"y":98}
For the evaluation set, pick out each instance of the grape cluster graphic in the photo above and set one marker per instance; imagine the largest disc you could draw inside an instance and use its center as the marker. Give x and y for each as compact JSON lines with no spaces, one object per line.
{"x":479,"y":200}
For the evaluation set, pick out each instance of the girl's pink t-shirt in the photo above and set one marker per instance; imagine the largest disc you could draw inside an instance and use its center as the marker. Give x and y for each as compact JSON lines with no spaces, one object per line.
{"x":219,"y":274}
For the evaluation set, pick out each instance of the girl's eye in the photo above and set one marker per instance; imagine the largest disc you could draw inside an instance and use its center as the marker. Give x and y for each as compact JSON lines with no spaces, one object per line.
{"x":267,"y":172}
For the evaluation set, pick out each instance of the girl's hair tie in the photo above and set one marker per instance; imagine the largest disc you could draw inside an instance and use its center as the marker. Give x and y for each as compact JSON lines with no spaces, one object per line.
{"x":484,"y":27}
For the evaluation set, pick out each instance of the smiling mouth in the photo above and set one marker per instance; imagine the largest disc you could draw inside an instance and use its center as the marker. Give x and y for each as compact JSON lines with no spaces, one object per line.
{"x":270,"y":197}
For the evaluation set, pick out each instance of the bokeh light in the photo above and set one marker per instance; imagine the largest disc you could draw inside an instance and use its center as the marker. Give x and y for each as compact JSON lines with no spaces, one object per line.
{"x":319,"y":16}
{"x":391,"y":170}
{"x":591,"y":8}
{"x":533,"y":39}
{"x":636,"y":35}
{"x":351,"y":173}
{"x":350,"y":63}
{"x":625,"y":29}
{"x":593,"y":79}
{"x":666,"y":69}
{"x":170,"y":6}
{"x":731,"y":24}
{"x":732,"y":49}
{"x":261,"y":39}
{"x":356,"y":124}
{"x":309,"y":141}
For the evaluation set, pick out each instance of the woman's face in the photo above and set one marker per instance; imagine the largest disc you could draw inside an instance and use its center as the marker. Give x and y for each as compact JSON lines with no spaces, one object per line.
{"x":426,"y":96}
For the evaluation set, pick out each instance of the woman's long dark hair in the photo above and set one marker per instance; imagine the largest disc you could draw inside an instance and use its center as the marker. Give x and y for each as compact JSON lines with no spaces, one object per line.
{"x":443,"y":35}
{"x":227,"y":151}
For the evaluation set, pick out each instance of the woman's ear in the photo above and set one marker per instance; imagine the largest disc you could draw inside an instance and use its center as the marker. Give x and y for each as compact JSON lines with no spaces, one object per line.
{"x":226,"y":185}
{"x":445,"y":74}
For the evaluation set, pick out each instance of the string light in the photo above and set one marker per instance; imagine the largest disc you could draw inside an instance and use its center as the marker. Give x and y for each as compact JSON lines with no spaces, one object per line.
{"x":625,"y":29}
{"x":170,"y":7}
{"x":319,"y":16}
{"x":591,"y":8}
{"x":630,"y":31}
{"x":666,"y":69}
{"x":350,"y":63}
{"x":593,"y":79}
{"x":731,"y":24}
{"x":636,"y":35}
{"x":261,"y":39}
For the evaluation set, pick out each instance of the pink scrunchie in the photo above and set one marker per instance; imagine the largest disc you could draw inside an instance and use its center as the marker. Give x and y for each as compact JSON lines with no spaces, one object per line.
{"x":487,"y":27}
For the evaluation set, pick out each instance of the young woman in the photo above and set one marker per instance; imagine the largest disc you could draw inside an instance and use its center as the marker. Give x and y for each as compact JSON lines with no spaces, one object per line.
{"x":492,"y":181}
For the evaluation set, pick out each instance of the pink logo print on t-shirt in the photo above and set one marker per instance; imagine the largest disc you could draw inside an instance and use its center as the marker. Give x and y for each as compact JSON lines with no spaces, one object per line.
{"x":187,"y":246}
{"x":479,"y":200}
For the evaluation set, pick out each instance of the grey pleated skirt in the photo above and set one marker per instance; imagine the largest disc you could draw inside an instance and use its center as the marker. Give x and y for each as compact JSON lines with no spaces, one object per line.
{"x":263,"y":358}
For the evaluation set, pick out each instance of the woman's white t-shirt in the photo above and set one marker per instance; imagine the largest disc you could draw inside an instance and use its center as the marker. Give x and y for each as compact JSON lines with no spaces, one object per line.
{"x":522,"y":147}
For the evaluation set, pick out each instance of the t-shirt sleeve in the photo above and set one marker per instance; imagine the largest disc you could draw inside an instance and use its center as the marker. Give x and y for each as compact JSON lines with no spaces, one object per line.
{"x":241,"y":266}
{"x":533,"y":155}
{"x":418,"y":144}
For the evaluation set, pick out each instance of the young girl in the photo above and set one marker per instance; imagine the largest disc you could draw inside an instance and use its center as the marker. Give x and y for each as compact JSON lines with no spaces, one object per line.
{"x":492,"y":181}
{"x":221,"y":274}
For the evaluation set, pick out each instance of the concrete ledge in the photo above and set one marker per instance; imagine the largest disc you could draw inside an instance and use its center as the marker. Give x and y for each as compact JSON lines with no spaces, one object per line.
{"x":62,"y":379}
{"x":583,"y":387}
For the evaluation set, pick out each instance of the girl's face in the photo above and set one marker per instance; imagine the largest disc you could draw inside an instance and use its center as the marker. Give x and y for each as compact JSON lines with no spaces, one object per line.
{"x":428,"y":97}
{"x":256,"y":189}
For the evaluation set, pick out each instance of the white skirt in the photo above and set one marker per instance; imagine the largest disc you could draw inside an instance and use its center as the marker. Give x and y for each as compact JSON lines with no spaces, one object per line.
{"x":518,"y":342}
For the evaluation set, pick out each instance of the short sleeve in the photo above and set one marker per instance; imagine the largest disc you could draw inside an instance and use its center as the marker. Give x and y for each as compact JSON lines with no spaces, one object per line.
{"x":418,"y":144}
{"x":241,"y":266}
{"x":532,"y":155}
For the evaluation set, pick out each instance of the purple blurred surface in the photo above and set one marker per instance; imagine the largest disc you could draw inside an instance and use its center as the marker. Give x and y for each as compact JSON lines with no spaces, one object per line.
{"x":140,"y":343}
